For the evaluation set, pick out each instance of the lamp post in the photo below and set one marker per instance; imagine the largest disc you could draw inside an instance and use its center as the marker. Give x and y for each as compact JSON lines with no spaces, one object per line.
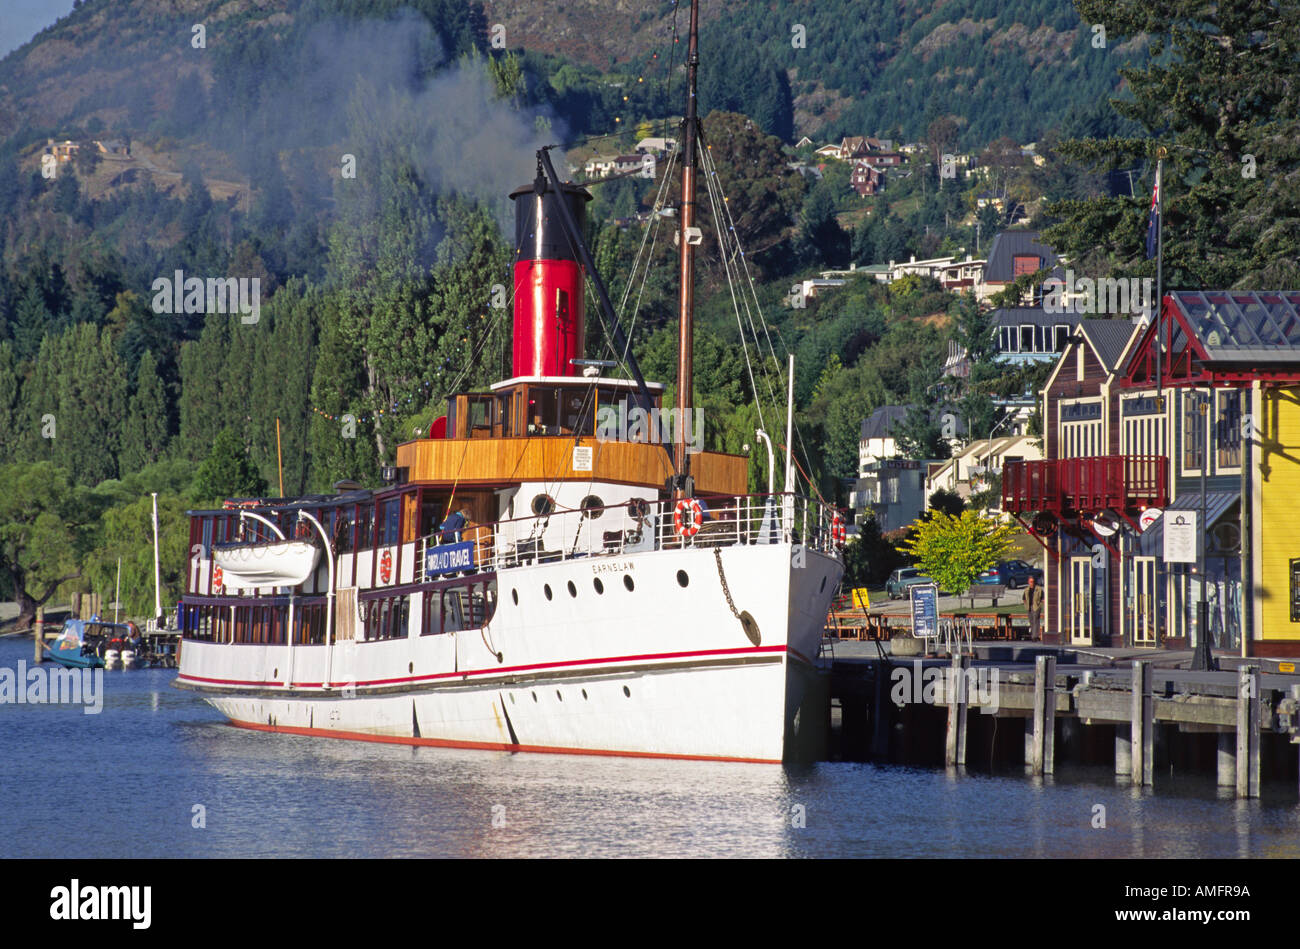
{"x":988,"y":458}
{"x":157,"y":568}
{"x":771,"y":473}
{"x":329,"y":598}
{"x":1203,"y":658}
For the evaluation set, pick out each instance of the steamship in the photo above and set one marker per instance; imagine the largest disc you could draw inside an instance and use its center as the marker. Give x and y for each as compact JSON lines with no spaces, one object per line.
{"x":525,"y":582}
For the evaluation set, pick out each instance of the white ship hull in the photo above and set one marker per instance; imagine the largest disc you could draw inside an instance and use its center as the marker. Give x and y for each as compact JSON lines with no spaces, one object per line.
{"x":658,"y":670}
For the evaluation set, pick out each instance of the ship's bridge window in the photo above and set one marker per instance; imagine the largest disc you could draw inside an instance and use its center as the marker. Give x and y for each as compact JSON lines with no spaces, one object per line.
{"x":365,"y":526}
{"x":389,"y":521}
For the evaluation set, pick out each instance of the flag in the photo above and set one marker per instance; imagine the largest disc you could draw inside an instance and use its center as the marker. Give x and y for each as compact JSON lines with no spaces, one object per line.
{"x":1153,"y":222}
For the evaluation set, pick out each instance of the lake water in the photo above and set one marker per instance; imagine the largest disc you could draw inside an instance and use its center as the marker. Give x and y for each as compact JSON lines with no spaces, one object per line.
{"x":134,"y":780}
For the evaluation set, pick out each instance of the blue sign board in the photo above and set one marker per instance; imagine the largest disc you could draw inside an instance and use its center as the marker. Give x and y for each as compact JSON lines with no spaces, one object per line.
{"x":925,"y":610}
{"x":449,"y":558}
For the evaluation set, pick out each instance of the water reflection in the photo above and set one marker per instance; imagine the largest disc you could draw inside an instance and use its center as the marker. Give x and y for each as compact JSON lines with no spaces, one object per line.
{"x":153,"y":754}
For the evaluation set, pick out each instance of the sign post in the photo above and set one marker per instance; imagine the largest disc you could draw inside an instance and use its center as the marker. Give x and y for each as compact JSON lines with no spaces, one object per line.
{"x":925,"y":611}
{"x":1181,"y":536}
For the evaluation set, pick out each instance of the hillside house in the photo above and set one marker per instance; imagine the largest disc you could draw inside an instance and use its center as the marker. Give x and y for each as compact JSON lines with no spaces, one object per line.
{"x":1012,"y":254}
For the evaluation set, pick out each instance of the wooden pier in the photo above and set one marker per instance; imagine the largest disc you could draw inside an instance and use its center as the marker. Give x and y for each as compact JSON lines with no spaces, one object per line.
{"x":1003,"y":703}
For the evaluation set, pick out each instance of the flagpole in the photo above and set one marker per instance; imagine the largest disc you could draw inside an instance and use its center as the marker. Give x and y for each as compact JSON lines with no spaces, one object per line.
{"x":1160,"y":292}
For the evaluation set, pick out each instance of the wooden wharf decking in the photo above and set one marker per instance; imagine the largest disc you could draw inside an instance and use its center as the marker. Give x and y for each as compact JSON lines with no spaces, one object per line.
{"x":1136,"y":707}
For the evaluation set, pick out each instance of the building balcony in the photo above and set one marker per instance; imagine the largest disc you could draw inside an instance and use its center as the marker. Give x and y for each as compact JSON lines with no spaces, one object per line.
{"x":1070,"y":486}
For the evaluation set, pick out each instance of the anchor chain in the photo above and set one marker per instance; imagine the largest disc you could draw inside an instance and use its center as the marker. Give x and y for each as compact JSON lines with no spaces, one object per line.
{"x":717,"y":555}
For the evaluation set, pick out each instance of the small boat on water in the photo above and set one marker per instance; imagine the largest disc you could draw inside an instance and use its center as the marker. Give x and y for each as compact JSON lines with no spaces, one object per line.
{"x":90,"y":644}
{"x":80,"y":645}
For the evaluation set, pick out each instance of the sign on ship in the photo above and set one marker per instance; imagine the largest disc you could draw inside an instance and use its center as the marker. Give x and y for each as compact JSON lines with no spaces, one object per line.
{"x":449,"y":558}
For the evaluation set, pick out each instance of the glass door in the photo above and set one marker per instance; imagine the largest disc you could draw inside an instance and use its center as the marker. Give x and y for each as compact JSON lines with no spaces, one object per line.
{"x":1081,"y":601}
{"x":1143,"y":601}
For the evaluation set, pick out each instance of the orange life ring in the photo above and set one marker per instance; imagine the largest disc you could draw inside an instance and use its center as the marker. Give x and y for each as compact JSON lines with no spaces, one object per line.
{"x":688,"y":524}
{"x":839,"y":533}
{"x":386,"y":567}
{"x":218,"y":578}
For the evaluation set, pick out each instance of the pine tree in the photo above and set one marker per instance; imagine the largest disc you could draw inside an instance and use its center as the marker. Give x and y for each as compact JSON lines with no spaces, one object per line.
{"x":31,"y":322}
{"x":144,"y":430}
{"x":10,"y":385}
{"x":1220,"y":93}
{"x":227,"y":472}
{"x":203,"y":409}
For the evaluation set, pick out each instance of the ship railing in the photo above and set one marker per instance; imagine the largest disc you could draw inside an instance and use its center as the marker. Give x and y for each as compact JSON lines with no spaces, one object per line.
{"x":632,"y":527}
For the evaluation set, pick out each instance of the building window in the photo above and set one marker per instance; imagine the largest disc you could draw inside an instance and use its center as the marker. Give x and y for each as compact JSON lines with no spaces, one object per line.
{"x":1227,"y":427}
{"x":1027,"y":338}
{"x":1193,"y":431}
{"x":1025,"y":263}
{"x":1062,"y":336}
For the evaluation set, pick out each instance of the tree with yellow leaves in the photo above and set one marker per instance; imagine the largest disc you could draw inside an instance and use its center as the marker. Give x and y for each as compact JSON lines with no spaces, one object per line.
{"x":956,"y":550}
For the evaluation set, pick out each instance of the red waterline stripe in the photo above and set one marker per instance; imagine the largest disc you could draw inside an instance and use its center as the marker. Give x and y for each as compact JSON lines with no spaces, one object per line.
{"x":503,"y":669}
{"x":488,"y":745}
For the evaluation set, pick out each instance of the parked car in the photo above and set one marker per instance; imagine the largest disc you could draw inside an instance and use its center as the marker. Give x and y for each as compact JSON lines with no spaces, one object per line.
{"x":902,"y":578}
{"x":1011,"y":574}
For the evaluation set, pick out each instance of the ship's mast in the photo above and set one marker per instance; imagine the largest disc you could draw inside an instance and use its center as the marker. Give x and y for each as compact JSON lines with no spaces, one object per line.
{"x":685,"y":236}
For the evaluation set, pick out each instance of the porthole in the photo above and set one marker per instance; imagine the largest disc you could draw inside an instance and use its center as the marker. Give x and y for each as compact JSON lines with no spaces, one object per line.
{"x":275,"y":674}
{"x":546,"y":588}
{"x":600,"y":587}
{"x":534,"y":696}
{"x":543,"y":504}
{"x":410,"y":667}
{"x":558,"y":695}
{"x":682,"y":579}
{"x":627,"y":582}
{"x":514,"y":595}
{"x":573,"y":590}
{"x":512,"y":698}
{"x":584,"y":693}
{"x":592,"y":506}
{"x":627,"y":691}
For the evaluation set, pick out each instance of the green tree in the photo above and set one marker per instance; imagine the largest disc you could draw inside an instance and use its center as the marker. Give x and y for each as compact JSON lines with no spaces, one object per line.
{"x":125,"y":530}
{"x":227,"y":472}
{"x":45,"y":527}
{"x":920,"y":436}
{"x":1220,"y":91}
{"x":947,"y":502}
{"x":144,"y":430}
{"x":956,"y":550}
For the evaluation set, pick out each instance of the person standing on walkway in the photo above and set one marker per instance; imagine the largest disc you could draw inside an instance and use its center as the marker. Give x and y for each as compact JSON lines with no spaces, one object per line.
{"x":1034,"y":606}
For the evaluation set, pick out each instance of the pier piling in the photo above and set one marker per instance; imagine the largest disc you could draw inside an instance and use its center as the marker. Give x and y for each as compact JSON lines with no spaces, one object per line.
{"x":1227,"y":760}
{"x":1143,"y":725}
{"x":958,"y":705}
{"x":1248,"y":731}
{"x":38,"y":632}
{"x":1123,"y":752}
{"x":1044,"y":720}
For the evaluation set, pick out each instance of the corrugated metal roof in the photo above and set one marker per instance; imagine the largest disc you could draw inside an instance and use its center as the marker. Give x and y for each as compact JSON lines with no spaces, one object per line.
{"x":1109,"y":338}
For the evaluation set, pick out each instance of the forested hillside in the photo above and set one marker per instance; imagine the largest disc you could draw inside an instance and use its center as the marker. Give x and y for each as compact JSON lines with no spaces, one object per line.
{"x":353,"y":158}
